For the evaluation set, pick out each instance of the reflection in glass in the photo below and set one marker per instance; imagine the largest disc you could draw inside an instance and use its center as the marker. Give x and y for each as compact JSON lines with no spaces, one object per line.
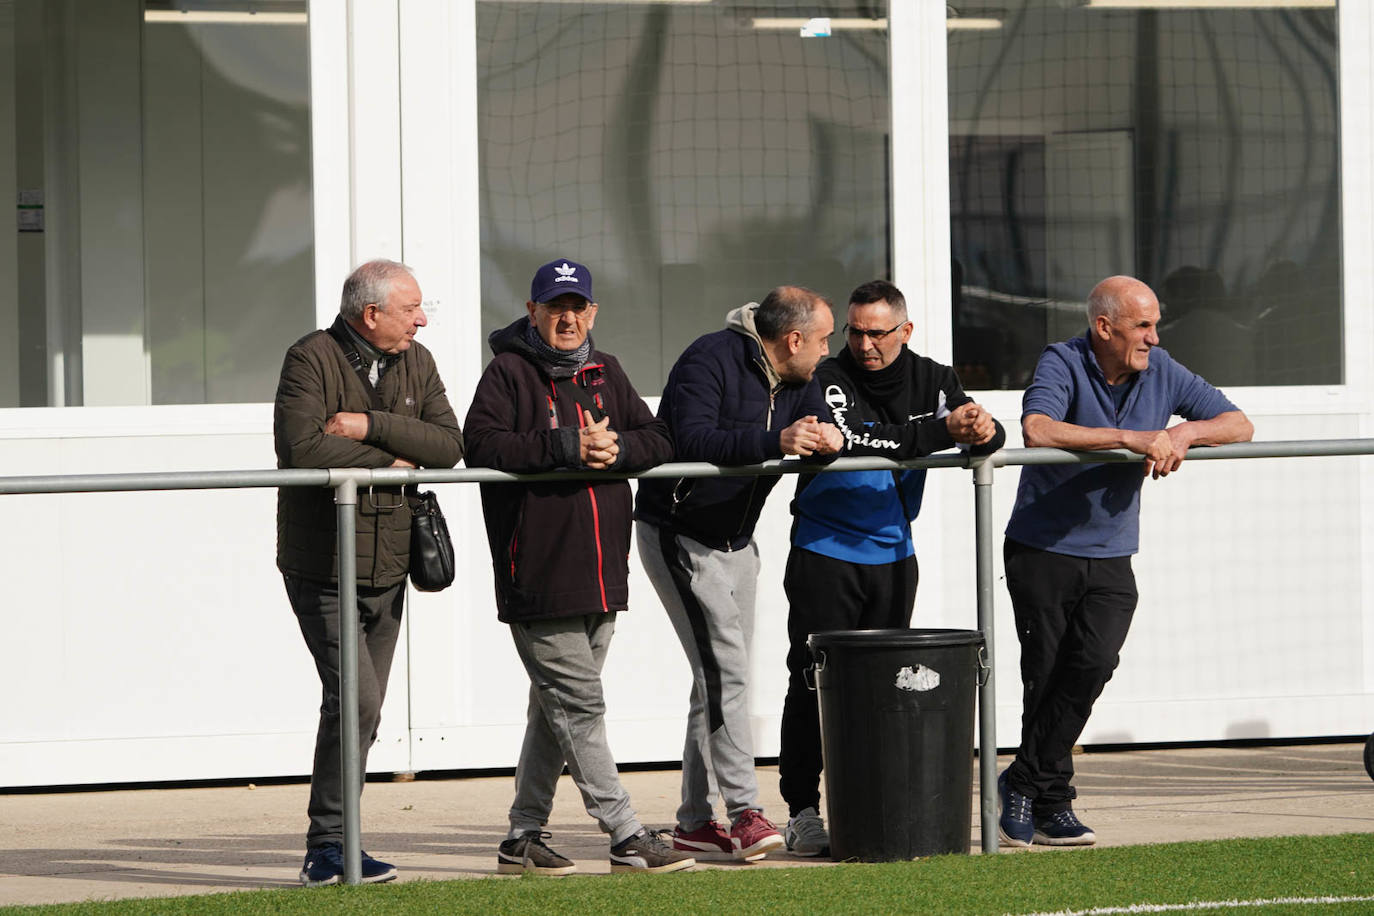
{"x":692,"y":155}
{"x":169,"y":255}
{"x":1196,"y":149}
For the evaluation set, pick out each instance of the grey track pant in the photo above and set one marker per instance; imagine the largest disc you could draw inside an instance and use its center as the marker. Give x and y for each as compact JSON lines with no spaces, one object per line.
{"x":566,"y":723}
{"x":709,"y":596}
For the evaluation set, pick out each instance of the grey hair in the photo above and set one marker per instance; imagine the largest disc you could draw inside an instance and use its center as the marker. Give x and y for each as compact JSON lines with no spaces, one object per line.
{"x":370,"y":284}
{"x":787,"y":309}
{"x":1103,"y":301}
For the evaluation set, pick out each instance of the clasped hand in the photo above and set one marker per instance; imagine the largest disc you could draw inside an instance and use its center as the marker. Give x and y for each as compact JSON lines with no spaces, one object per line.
{"x":969,"y":424}
{"x":1164,"y":449}
{"x":598,"y":444}
{"x":810,"y":436}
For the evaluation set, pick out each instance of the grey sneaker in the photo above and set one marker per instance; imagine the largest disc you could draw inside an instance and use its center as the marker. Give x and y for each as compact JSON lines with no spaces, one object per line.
{"x":646,"y":851}
{"x":806,"y":835}
{"x":527,"y":854}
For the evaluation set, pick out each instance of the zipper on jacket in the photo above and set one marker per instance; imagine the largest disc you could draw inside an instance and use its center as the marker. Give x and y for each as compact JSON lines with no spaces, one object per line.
{"x":596,"y":533}
{"x":514,"y":545}
{"x":754,"y":484}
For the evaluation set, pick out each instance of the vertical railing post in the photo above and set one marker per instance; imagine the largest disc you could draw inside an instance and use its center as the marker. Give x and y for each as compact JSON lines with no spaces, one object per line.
{"x":346,"y":501}
{"x":987,"y":691}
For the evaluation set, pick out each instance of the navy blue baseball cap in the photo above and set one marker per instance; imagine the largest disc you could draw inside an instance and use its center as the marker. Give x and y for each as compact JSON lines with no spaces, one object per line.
{"x":561,"y":276}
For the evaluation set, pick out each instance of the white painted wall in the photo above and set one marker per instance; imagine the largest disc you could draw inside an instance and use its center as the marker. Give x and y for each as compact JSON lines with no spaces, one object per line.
{"x":153,"y":641}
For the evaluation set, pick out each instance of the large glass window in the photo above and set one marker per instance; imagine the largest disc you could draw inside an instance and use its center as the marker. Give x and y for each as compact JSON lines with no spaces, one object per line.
{"x":693,"y":155}
{"x":159,"y":154}
{"x":1194,"y":148}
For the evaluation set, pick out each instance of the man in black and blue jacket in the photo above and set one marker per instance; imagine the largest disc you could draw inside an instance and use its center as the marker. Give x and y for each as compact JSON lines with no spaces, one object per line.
{"x":738,"y":396}
{"x":853,"y":564}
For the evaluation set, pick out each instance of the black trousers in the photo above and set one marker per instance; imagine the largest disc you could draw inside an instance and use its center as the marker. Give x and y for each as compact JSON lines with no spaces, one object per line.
{"x":379,"y":622}
{"x":828,"y":594}
{"x":1072,"y":614}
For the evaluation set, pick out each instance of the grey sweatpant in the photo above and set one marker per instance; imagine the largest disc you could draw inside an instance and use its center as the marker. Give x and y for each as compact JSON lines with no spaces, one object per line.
{"x":709,"y":597}
{"x":566,"y":723}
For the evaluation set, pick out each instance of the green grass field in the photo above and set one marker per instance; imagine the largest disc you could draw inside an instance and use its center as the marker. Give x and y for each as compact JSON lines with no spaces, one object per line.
{"x":1245,"y":872}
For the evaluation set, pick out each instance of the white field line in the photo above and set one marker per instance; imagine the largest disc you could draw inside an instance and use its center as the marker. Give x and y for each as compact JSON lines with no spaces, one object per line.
{"x":1203,"y":905}
{"x":1255,"y":772}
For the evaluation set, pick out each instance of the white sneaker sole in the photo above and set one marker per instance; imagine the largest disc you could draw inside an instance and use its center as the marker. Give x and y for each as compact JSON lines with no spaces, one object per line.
{"x":511,"y":867}
{"x":305,"y":880}
{"x":1087,"y":839}
{"x":705,"y":851}
{"x":760,"y":849}
{"x":808,"y":852}
{"x":338,"y":879}
{"x":1010,"y":840}
{"x":623,"y":868}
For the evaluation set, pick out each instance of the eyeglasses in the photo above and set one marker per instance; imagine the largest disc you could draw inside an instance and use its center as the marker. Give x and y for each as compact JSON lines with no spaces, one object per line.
{"x":872,"y":334}
{"x":558,"y":308}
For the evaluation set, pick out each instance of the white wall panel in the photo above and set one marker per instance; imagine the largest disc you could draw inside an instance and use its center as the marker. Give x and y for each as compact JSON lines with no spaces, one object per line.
{"x":158,"y":640}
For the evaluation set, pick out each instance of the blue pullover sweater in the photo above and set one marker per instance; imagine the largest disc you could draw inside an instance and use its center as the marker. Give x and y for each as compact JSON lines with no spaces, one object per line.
{"x":1093,"y":510}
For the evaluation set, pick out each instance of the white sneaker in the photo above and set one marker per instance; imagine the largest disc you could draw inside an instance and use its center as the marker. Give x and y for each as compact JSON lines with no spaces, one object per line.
{"x":806,"y":834}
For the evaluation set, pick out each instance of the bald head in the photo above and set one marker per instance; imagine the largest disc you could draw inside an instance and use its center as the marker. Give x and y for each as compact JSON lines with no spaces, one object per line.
{"x":1109,"y":296}
{"x":1123,"y":314}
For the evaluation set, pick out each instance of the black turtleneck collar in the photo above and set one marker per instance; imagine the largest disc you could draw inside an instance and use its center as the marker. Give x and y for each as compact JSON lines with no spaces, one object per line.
{"x":888,"y":388}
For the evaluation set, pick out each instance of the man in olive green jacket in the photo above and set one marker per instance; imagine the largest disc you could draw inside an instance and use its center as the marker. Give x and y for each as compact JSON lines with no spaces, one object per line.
{"x":361,"y":393}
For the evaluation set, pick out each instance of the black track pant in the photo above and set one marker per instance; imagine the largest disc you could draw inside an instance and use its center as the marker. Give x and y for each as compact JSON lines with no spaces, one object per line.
{"x":827,"y":594}
{"x":1072,"y":614}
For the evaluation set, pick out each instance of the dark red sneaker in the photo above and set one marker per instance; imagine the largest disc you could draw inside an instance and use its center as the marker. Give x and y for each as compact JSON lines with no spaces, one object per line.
{"x":708,"y":842}
{"x":754,"y":836}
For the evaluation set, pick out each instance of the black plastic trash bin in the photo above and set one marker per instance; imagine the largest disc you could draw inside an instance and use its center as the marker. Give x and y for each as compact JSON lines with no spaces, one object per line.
{"x":897,"y":740}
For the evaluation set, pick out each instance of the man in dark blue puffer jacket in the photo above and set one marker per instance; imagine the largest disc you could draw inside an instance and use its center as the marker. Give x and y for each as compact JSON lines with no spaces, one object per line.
{"x":738,"y":396}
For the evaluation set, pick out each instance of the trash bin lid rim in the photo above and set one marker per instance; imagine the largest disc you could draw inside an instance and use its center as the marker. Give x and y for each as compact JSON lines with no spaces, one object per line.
{"x":898,"y":638}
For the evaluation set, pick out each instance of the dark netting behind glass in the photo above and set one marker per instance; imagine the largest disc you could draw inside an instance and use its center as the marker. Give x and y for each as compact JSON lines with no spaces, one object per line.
{"x":692,"y":155}
{"x":1195,"y":149}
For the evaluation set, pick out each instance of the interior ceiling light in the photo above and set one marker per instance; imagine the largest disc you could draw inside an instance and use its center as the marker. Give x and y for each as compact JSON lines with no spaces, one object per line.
{"x":972,"y":24}
{"x":1209,"y":4}
{"x":835,"y":24}
{"x":222,"y":17}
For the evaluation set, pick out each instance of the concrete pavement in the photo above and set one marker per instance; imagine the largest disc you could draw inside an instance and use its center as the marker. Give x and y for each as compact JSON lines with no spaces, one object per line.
{"x":72,"y":846}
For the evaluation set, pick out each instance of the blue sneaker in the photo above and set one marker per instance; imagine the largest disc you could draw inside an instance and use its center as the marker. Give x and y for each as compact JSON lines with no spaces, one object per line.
{"x":324,"y":865}
{"x":1063,"y":828}
{"x":1015,"y":825}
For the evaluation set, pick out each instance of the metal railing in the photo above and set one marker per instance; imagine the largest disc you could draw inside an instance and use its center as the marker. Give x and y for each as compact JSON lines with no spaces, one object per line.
{"x":346,"y":481}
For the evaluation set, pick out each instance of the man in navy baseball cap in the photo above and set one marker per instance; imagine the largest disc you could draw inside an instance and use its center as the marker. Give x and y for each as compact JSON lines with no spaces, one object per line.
{"x":561,"y":276}
{"x":549,"y":400}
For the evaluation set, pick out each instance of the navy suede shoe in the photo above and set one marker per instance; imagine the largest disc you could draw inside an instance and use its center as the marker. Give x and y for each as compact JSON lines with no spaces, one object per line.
{"x":1063,"y":828}
{"x":1015,"y":825}
{"x":324,"y":865}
